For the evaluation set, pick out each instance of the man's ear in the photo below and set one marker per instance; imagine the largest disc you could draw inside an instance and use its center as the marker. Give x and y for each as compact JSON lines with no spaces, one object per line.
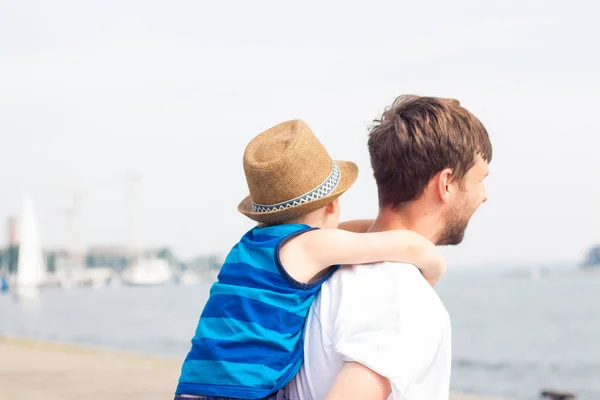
{"x":443,"y":184}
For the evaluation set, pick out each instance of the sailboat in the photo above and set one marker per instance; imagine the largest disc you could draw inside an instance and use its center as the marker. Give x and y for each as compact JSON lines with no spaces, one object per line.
{"x":31,"y":270}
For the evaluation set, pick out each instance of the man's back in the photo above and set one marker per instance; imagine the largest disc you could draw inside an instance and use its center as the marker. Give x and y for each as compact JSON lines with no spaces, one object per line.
{"x":385,"y":317}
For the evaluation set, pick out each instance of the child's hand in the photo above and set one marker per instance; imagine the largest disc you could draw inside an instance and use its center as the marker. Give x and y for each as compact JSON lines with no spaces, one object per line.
{"x":433,"y":264}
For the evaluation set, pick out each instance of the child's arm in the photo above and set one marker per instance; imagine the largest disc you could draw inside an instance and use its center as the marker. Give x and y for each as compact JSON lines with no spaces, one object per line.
{"x":305,"y":256}
{"x":357,"y":225}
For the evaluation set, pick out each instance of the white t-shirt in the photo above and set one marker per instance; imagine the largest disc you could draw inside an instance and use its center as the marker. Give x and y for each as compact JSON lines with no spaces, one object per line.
{"x":386,"y":317}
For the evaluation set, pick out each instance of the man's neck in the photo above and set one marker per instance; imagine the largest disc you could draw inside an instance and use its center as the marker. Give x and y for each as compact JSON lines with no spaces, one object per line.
{"x":409,"y":218}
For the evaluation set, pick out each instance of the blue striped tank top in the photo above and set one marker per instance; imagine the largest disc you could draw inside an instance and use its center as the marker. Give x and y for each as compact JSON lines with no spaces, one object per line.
{"x":249,"y":340}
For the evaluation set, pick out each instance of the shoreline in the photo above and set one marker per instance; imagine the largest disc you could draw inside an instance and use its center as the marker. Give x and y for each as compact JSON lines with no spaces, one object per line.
{"x":34,"y":369}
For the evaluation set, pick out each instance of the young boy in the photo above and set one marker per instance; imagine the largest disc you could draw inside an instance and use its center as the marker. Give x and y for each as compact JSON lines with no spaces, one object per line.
{"x":249,"y":340}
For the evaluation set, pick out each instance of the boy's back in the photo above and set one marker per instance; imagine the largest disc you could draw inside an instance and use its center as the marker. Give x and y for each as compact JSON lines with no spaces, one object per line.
{"x":248,"y":343}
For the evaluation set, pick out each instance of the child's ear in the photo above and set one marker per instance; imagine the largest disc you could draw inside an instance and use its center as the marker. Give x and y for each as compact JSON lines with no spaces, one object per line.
{"x":333,"y":207}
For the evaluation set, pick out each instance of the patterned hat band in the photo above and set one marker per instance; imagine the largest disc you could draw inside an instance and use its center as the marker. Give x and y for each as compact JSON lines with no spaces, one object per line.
{"x":323,"y":190}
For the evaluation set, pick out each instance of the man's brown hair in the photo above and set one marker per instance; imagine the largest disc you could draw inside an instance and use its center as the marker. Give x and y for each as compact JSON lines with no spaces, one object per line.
{"x":416,"y":138}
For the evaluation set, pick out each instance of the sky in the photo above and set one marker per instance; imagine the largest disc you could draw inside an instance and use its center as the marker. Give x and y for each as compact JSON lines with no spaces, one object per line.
{"x":93,"y":93}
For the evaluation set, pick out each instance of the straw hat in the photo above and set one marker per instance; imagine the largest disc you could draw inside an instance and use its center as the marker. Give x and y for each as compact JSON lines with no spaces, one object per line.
{"x":290,"y":174}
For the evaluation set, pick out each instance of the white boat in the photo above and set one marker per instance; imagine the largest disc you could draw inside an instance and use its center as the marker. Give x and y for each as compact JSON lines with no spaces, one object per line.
{"x":148,"y":271}
{"x":31,"y":268}
{"x":189,"y":278}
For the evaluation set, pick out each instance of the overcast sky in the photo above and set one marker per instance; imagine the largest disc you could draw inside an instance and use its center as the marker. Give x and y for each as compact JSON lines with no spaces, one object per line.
{"x":92,"y":92}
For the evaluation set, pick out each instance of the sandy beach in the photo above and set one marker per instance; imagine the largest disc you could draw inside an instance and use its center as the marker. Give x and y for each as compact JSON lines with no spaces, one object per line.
{"x":34,"y":369}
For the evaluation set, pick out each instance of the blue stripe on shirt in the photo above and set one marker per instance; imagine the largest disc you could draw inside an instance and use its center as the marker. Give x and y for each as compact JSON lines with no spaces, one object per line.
{"x":258,"y":258}
{"x":265,"y":240}
{"x":270,"y":236}
{"x":239,"y":331}
{"x":292,"y":303}
{"x":208,"y":372}
{"x":245,"y":275}
{"x":265,"y":354}
{"x":248,"y":310}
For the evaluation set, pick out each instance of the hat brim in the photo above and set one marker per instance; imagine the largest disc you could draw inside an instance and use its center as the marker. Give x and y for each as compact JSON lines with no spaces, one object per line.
{"x":348,"y":175}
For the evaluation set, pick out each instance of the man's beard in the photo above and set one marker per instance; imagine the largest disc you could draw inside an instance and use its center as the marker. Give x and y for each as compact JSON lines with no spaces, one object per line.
{"x":456,"y":225}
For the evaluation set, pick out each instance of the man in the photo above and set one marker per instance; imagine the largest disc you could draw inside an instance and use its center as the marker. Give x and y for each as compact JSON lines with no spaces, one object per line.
{"x":378,"y":332}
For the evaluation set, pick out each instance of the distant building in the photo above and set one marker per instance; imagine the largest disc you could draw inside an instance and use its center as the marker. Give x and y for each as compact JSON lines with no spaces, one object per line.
{"x":115,"y":257}
{"x":61,"y":262}
{"x":205,"y":263}
{"x":119,"y":257}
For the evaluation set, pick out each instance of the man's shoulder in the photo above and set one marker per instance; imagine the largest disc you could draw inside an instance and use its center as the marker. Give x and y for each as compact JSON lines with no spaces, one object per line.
{"x":394,"y":269}
{"x":385,"y":284}
{"x":384,"y":273}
